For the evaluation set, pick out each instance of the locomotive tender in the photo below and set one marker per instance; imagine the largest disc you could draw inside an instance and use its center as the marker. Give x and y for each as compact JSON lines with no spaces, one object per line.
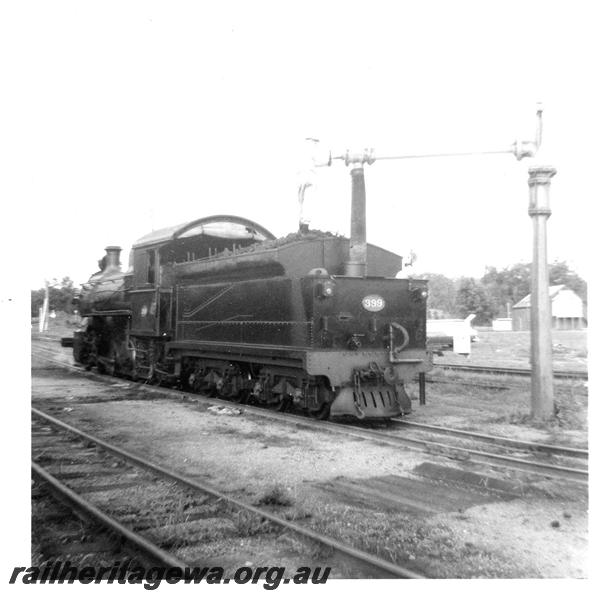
{"x":220,"y":306}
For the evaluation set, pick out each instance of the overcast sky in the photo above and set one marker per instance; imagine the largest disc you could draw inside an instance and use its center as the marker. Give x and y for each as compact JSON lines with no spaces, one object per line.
{"x":129,"y":116}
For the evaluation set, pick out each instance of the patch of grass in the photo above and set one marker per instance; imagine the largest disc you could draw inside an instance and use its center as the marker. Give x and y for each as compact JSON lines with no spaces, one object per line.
{"x":177,"y":509}
{"x":525,"y":418}
{"x":249,"y":524}
{"x":431,"y":549}
{"x":276,"y":496}
{"x":308,"y":550}
{"x":571,"y":409}
{"x":571,"y":413}
{"x":296,"y":514}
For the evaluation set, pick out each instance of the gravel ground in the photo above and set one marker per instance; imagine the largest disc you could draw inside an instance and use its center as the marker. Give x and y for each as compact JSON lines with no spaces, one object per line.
{"x":539,"y":535}
{"x":507,"y":412}
{"x":512,"y":348}
{"x":504,"y":412}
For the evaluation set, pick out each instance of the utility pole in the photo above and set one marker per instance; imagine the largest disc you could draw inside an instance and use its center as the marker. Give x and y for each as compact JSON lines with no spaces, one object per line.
{"x":542,"y":390}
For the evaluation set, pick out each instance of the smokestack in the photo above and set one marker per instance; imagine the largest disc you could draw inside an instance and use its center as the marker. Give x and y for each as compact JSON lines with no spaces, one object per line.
{"x":357,"y":256}
{"x":112,"y":258}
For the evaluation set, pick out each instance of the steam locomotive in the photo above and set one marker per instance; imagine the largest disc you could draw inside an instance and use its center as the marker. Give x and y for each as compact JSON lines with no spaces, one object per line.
{"x":220,"y":306}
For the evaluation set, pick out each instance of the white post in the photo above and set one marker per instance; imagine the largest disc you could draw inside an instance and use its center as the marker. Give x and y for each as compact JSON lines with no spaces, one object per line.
{"x":45,"y":308}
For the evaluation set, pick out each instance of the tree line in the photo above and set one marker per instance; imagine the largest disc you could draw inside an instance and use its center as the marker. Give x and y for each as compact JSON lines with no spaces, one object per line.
{"x":60,"y":296}
{"x":494,"y":294}
{"x":487,"y":297}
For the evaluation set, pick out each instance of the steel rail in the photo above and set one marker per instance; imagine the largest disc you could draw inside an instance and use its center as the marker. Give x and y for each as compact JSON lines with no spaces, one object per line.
{"x":181,"y":479}
{"x":475,"y":456}
{"x":82,"y":504}
{"x":503,"y":441}
{"x":558,"y":374}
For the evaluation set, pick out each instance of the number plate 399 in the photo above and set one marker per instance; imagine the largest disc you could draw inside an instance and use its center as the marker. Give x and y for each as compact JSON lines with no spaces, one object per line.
{"x":373,"y":302}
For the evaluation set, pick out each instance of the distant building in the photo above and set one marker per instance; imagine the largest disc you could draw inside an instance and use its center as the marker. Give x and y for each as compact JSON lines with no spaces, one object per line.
{"x":567,"y":310}
{"x":502,"y":324}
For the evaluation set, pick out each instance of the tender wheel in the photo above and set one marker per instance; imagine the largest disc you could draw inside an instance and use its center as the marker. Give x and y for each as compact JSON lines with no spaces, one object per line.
{"x":228,"y":389}
{"x":321,"y":403}
{"x":227,"y":393}
{"x":283,"y":403}
{"x":321,"y":413}
{"x":207,"y":389}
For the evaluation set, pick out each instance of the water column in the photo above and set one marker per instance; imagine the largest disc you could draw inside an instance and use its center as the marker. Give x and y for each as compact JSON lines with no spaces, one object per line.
{"x":542,"y":385}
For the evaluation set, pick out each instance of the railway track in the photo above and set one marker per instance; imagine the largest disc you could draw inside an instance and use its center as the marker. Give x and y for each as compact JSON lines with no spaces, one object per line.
{"x":581,"y":453}
{"x":168,"y":516}
{"x":493,"y":454}
{"x":558,"y":374}
{"x":62,"y":536}
{"x":491,"y":451}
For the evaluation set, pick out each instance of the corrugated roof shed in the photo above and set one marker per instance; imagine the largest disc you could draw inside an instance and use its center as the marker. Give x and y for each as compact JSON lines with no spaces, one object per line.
{"x":526,"y":302}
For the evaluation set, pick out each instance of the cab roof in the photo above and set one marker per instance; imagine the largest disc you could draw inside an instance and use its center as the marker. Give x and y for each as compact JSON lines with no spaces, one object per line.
{"x":222,"y":226}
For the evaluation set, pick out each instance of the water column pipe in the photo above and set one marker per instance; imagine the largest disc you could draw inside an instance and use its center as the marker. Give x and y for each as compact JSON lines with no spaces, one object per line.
{"x":356,"y":265}
{"x":542,"y":385}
